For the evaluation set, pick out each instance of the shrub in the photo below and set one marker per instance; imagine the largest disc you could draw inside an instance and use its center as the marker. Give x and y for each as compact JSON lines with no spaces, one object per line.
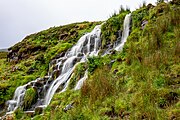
{"x":99,"y":86}
{"x":93,"y":63}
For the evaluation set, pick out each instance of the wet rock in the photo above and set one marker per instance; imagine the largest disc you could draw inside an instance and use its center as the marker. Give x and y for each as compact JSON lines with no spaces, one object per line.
{"x":59,"y":55}
{"x":79,"y":54}
{"x":91,"y":47}
{"x":68,"y":107}
{"x":85,"y":42}
{"x":84,"y":50}
{"x":55,"y":67}
{"x":55,"y":74}
{"x":38,"y":84}
{"x":30,"y":113}
{"x":118,"y":34}
{"x":46,"y":77}
{"x":53,"y":62}
{"x":50,"y":80}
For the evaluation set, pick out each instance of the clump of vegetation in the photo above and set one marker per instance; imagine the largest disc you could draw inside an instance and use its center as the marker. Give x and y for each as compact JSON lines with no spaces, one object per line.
{"x":30,"y":98}
{"x":99,"y":86}
{"x":3,"y":55}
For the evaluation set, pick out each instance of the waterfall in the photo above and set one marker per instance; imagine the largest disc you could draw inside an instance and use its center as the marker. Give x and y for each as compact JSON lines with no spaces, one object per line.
{"x":81,"y":81}
{"x":61,"y":69}
{"x":125,"y":34}
{"x":18,"y":96}
{"x":87,"y":45}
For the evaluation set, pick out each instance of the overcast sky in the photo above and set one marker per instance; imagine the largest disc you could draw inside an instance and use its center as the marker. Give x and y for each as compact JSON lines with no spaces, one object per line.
{"x":19,"y":18}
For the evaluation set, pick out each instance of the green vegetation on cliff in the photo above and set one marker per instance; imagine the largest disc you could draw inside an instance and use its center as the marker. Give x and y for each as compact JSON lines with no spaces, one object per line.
{"x":29,"y":58}
{"x":140,"y":82}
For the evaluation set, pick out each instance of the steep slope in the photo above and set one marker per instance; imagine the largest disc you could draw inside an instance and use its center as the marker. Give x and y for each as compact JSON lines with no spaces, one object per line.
{"x":140,"y":82}
{"x":29,"y":58}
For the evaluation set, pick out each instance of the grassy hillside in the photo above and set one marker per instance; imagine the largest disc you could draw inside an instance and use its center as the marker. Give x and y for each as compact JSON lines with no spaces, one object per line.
{"x":29,"y":58}
{"x":140,"y":82}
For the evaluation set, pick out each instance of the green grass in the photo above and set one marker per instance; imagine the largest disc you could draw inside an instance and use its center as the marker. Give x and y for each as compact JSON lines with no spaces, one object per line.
{"x":3,"y":55}
{"x":142,"y":82}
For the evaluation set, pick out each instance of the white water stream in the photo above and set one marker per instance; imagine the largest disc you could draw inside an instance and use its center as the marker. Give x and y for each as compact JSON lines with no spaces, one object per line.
{"x":125,"y":34}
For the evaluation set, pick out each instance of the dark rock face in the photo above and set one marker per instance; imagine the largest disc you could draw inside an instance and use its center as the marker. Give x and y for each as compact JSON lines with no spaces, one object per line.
{"x":12,"y":56}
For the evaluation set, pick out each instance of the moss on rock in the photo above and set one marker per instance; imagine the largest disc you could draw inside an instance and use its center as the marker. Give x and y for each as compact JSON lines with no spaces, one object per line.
{"x":30,"y":98}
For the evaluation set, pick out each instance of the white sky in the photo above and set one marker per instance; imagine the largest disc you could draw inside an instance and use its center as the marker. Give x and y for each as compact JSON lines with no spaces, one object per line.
{"x":19,"y":18}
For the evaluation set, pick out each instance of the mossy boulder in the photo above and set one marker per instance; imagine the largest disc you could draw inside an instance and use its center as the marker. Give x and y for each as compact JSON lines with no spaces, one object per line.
{"x":30,"y":98}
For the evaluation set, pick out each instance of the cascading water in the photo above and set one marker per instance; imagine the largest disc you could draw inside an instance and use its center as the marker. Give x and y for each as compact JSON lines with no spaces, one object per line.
{"x":88,"y":45}
{"x":18,"y":96}
{"x":81,"y":81}
{"x":126,"y":31}
{"x":60,"y":70}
